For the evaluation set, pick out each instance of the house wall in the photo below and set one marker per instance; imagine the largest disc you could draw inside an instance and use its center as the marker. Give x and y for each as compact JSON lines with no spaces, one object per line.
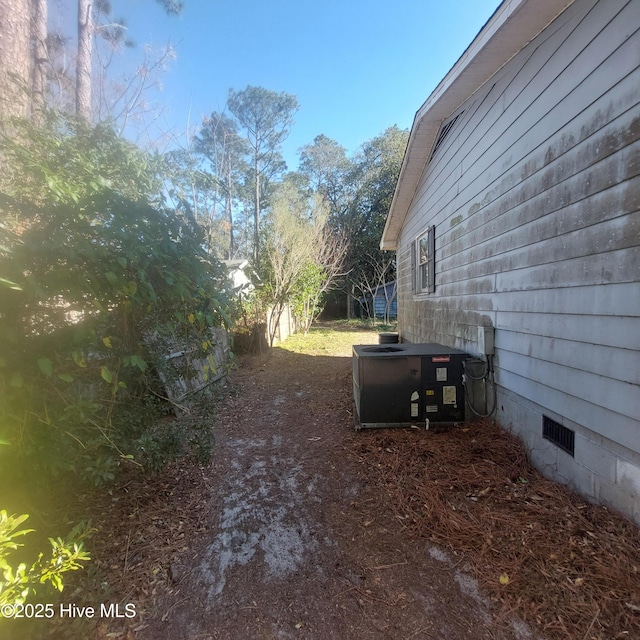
{"x":534,"y":195}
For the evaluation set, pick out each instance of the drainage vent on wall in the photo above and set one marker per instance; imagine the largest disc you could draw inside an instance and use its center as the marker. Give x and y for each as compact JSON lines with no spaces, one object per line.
{"x":559,"y":435}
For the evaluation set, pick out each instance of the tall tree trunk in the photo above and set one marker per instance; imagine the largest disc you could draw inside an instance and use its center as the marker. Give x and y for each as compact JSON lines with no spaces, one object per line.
{"x":256,"y":213}
{"x":229,"y":212}
{"x":15,"y":57}
{"x":40,"y":57}
{"x":83,"y":62}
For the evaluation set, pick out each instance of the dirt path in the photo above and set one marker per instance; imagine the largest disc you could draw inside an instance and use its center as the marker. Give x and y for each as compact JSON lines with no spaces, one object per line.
{"x":298,"y":542}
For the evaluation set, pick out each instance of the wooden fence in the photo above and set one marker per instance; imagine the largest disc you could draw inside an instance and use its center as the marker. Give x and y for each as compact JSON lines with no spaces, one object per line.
{"x":281,"y":329}
{"x":186,"y":371}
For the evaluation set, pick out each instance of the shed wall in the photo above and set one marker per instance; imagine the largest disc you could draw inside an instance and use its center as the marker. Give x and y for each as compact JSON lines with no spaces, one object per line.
{"x":535,"y":194}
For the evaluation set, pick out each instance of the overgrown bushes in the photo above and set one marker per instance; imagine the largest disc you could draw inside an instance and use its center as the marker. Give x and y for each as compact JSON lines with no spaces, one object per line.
{"x":97,"y":277}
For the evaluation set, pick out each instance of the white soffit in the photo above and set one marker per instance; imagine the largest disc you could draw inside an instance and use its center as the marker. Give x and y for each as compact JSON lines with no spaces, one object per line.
{"x":514,"y":24}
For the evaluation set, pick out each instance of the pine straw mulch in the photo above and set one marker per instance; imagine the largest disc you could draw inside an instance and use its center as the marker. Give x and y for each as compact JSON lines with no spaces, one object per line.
{"x":568,"y":568}
{"x":142,"y":549}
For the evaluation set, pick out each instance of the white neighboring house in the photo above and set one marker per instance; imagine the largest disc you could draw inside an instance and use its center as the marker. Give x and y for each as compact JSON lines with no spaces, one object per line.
{"x":517,"y":207}
{"x":237,"y":273}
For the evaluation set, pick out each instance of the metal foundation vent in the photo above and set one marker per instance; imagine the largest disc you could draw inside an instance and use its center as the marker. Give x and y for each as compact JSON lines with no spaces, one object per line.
{"x":559,"y":435}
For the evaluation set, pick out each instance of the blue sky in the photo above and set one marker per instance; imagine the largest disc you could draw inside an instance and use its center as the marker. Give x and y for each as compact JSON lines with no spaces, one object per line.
{"x":356,"y":66}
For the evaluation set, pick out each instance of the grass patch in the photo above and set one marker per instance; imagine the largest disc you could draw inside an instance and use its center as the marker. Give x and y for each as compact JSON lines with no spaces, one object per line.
{"x":332,"y":338}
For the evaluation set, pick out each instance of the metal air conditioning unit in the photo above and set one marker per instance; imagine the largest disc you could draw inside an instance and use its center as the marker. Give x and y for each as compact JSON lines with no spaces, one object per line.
{"x":406,"y":384}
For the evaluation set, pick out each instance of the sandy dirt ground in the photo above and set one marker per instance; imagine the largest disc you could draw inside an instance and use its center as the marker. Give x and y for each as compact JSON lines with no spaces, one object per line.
{"x":301,"y":527}
{"x":296,"y":540}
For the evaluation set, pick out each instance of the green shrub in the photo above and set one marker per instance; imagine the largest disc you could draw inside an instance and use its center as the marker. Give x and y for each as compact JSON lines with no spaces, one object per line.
{"x":18,"y":581}
{"x":97,"y":280}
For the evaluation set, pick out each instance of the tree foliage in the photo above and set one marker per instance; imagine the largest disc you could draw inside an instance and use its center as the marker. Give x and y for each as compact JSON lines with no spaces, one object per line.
{"x":94,"y":271}
{"x":225,"y":152}
{"x":375,"y":172}
{"x":95,"y":20}
{"x":302,"y":255}
{"x":241,"y":149}
{"x":265,"y":117}
{"x":18,"y":580}
{"x":328,"y":171}
{"x":358,"y":192}
{"x":66,"y":159}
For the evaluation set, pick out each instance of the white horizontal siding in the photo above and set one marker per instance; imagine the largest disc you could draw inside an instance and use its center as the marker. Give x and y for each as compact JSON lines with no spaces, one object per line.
{"x":605,"y":268}
{"x":599,"y":254}
{"x":600,"y":300}
{"x":609,"y":331}
{"x":535,"y":195}
{"x":599,"y":418}
{"x":544,"y":109}
{"x":503,"y":135}
{"x":615,"y":363}
{"x":563,"y":206}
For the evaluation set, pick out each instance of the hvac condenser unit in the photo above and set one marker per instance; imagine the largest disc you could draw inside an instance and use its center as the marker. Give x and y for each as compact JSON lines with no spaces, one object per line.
{"x":404,"y":384}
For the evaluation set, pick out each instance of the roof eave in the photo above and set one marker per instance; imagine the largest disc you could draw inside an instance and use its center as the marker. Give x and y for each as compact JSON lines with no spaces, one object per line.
{"x":514,"y":24}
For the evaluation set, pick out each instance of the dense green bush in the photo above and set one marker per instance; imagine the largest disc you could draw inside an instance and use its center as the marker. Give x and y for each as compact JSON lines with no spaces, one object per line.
{"x":97,"y":279}
{"x":307,"y":294}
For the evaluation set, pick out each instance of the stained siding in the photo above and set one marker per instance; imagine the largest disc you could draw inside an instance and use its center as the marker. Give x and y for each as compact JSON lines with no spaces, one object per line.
{"x":535,"y":195}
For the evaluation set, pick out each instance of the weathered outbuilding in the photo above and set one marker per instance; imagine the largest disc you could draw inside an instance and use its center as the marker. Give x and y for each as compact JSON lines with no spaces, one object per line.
{"x":517,"y":207}
{"x":382,"y":302}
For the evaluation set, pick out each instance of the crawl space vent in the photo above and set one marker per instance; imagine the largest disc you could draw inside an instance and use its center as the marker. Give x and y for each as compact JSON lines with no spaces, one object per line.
{"x":558,"y":434}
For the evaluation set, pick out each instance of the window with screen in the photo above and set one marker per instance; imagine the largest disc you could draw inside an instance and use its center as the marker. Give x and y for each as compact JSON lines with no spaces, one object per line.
{"x":425,"y":261}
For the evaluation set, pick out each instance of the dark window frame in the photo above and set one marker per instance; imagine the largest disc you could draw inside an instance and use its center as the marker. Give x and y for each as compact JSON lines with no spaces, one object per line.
{"x":424,"y":261}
